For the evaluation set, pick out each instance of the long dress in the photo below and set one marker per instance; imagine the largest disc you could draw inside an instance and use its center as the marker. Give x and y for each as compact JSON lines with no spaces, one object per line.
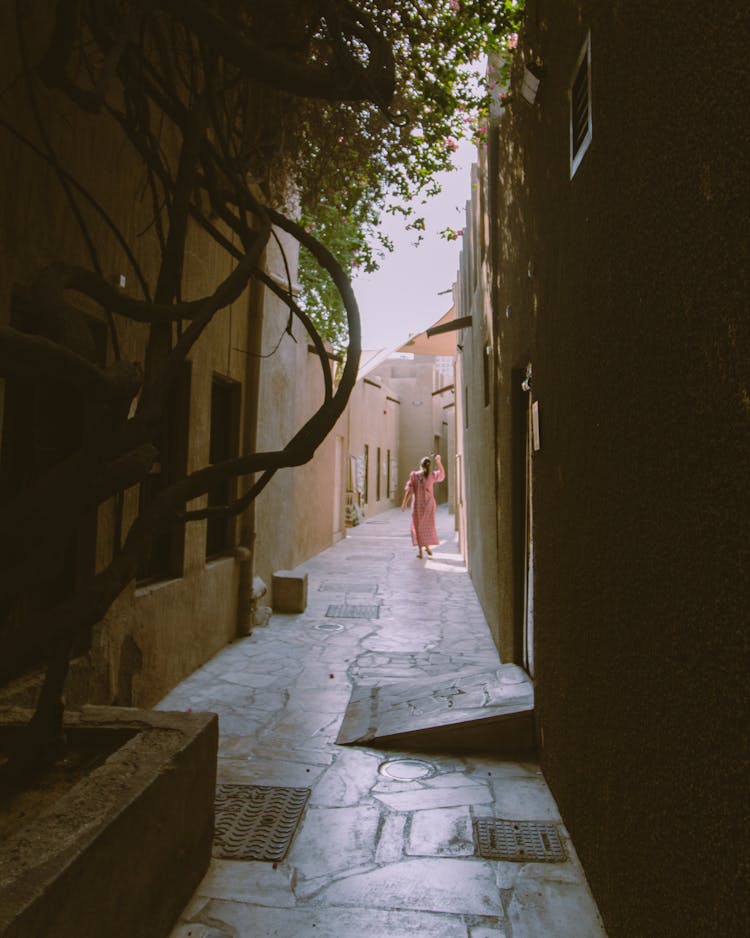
{"x":423,"y":531}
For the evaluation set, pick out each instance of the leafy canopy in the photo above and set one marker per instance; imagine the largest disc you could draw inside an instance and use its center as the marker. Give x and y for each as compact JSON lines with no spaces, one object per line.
{"x":354,"y":162}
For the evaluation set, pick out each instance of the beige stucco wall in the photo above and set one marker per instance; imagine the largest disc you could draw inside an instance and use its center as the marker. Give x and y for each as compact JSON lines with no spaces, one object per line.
{"x":373,"y":418}
{"x":413,"y":381}
{"x":157,"y":634}
{"x":476,"y":416}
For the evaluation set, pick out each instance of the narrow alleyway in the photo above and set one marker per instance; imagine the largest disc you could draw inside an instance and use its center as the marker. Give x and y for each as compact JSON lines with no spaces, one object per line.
{"x":374,"y":856}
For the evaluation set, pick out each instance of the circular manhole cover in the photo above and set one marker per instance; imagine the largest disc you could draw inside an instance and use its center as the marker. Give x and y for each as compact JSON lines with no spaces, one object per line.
{"x":330,"y":627}
{"x":406,"y":770}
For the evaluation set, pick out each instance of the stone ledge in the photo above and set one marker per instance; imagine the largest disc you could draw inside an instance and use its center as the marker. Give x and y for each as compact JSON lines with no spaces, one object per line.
{"x":121,"y":853}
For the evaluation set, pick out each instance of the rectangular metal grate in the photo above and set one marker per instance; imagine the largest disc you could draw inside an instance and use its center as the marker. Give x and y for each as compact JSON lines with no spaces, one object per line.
{"x":368,"y":586}
{"x":523,"y":841}
{"x":369,"y":556}
{"x":353,"y":612}
{"x":256,"y":822}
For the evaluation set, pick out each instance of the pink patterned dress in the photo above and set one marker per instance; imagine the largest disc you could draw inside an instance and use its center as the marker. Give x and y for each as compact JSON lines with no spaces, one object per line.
{"x":423,"y":532}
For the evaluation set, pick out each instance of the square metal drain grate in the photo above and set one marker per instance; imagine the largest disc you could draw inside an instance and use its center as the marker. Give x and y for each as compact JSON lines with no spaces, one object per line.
{"x":256,"y":822}
{"x":525,"y":841}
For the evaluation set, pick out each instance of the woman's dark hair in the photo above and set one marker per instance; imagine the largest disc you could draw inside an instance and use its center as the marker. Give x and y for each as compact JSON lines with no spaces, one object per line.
{"x":425,"y":464}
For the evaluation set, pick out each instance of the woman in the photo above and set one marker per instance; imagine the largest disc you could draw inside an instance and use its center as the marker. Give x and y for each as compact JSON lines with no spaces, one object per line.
{"x":419,"y":488}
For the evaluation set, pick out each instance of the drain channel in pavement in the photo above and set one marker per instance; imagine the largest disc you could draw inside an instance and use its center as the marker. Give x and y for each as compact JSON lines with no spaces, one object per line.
{"x":353,"y":612}
{"x":522,"y":841}
{"x":256,"y":822}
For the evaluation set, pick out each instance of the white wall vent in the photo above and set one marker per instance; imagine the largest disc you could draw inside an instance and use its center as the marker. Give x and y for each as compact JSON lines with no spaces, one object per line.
{"x":580,"y":107}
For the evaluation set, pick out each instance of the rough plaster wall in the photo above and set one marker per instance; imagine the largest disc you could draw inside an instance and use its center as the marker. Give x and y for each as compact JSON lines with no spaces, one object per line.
{"x":277,"y":423}
{"x":479,"y":447}
{"x":635,"y":320}
{"x":314,"y":482}
{"x":373,"y":420}
{"x":413,"y":381}
{"x":148,"y":642}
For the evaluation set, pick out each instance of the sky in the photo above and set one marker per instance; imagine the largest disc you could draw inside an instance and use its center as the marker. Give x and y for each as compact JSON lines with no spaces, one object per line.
{"x":402,"y":297}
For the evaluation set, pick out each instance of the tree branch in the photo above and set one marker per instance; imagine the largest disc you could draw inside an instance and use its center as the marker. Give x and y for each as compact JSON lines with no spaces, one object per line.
{"x":28,"y":356}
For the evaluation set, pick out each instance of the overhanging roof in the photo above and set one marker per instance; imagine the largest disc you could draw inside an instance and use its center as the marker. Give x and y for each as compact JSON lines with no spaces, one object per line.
{"x":444,"y":343}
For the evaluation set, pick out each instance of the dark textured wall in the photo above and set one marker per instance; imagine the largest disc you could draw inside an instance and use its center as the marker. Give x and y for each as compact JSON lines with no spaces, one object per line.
{"x":636,"y":322}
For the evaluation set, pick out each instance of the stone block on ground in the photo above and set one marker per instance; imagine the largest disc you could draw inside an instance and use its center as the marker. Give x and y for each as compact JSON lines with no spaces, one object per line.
{"x":289,"y":591}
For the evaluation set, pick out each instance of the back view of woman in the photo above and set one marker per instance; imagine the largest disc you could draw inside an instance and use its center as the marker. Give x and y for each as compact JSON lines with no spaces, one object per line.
{"x":419,"y":492}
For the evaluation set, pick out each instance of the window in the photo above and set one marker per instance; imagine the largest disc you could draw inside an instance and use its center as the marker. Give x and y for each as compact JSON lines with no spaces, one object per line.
{"x":41,"y":425}
{"x":377,"y":477}
{"x":167,"y":550}
{"x":580,"y":107}
{"x":388,"y":491}
{"x":223,"y":445}
{"x":367,"y":473}
{"x":466,"y":407}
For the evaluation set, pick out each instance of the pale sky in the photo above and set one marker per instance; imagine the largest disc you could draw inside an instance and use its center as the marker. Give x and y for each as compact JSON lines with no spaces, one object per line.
{"x":401,"y":298}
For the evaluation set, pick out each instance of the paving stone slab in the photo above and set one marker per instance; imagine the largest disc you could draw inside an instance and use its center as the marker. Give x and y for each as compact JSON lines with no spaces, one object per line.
{"x":425,"y":798}
{"x":441,"y":833}
{"x":399,"y":712}
{"x":336,"y":840}
{"x":309,"y":922}
{"x":465,"y":886}
{"x":550,"y":908}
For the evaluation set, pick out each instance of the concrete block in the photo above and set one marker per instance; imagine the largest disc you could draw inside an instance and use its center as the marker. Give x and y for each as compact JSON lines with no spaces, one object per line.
{"x":289,"y":591}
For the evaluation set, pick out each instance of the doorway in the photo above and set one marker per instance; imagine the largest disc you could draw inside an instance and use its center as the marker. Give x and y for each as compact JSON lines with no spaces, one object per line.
{"x":528,"y":585}
{"x":522,"y":519}
{"x":338,"y":494}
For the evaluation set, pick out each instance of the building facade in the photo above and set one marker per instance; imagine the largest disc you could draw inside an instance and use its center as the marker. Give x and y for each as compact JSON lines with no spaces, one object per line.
{"x":249,"y":385}
{"x":604,"y":270}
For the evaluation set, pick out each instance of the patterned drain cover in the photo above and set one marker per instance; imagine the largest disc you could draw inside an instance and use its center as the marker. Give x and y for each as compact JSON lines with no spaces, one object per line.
{"x":523,"y":841}
{"x":329,"y":627}
{"x":407,"y":770}
{"x":367,"y":587}
{"x":353,"y":612}
{"x":255,"y":822}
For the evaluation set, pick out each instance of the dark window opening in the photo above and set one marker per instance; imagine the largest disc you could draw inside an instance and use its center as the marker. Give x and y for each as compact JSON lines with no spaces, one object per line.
{"x":165,"y":561}
{"x":367,"y":473}
{"x":377,"y":477}
{"x":44,"y":424}
{"x":388,"y":474}
{"x":224,"y":445}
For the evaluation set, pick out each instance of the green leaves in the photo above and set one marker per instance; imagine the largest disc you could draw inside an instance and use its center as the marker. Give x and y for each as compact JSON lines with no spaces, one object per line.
{"x":354,"y":162}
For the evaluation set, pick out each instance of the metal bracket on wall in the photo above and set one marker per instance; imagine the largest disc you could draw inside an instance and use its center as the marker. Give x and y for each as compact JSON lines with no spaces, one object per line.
{"x":526,"y":383}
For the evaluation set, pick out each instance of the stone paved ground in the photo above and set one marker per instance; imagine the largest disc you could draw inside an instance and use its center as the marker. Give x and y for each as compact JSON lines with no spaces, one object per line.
{"x":373,"y":857}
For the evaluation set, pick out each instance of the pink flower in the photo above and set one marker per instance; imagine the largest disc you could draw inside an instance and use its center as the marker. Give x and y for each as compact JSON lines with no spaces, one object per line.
{"x":340,"y":139}
{"x":455,"y":5}
{"x":512,"y":41}
{"x":450,"y":144}
{"x":460,"y":232}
